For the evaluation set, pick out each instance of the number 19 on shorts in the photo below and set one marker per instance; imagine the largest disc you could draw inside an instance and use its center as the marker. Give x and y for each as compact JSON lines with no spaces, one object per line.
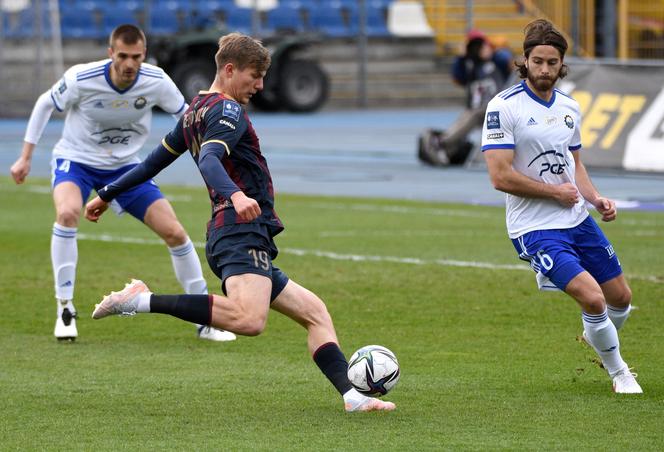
{"x":261,"y":259}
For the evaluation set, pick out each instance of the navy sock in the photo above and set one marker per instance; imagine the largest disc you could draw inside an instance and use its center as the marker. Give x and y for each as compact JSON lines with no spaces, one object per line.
{"x":195,"y":308}
{"x":333,"y":364}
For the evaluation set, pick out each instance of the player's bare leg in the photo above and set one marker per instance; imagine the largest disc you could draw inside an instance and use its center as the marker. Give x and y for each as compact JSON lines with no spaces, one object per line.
{"x":245,"y":312}
{"x":307,"y":309}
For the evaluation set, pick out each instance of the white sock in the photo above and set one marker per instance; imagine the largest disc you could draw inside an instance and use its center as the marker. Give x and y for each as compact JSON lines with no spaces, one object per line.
{"x":604,"y":338}
{"x":143,"y":302}
{"x":187,"y":268}
{"x":64,"y":255}
{"x":618,"y":315}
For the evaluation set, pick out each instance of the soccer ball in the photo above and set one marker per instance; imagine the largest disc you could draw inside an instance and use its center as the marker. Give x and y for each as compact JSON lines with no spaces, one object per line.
{"x":373,"y":370}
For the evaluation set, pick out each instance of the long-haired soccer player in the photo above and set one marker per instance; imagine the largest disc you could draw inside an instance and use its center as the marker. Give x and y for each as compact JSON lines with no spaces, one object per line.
{"x":532,"y":145}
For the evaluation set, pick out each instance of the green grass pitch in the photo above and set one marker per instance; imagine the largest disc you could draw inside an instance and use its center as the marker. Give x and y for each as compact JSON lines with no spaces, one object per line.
{"x":487,"y":361}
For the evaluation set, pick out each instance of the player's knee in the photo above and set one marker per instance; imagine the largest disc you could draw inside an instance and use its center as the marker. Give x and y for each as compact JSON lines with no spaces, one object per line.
{"x":594,"y":303}
{"x":316,"y":312}
{"x":174,"y":234}
{"x":68,"y":216}
{"x":252,"y":326}
{"x":247,"y":316}
{"x":621,"y":299}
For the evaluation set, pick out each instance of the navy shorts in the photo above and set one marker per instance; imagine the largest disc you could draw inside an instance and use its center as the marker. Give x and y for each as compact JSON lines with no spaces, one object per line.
{"x":135,"y":201}
{"x":244,"y":248}
{"x":561,"y":254}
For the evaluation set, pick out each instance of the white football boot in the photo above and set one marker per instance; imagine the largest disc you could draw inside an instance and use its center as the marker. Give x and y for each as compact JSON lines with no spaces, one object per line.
{"x":214,"y":334}
{"x":356,"y":402}
{"x":124,"y":302}
{"x":65,"y":324}
{"x":624,"y":382}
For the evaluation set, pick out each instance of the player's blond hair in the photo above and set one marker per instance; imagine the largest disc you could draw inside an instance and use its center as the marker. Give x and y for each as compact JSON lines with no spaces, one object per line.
{"x":243,"y":51}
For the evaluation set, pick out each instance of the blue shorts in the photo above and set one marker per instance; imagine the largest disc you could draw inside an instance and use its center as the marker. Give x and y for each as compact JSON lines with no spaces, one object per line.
{"x":135,"y":201}
{"x":239,"y":249}
{"x":561,"y":254}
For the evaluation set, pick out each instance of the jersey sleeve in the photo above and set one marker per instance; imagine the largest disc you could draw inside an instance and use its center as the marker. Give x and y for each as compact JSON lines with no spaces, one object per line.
{"x":65,"y":93}
{"x":498,"y":128}
{"x":575,"y":143}
{"x":174,"y":141}
{"x":225,"y":126}
{"x":171,"y":99}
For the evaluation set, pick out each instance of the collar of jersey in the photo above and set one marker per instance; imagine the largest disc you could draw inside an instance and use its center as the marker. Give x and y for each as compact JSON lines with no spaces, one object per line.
{"x":538,"y":99}
{"x":107,"y":75}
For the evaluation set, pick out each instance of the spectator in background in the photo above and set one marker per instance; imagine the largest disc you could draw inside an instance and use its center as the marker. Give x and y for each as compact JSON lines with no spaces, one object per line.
{"x":483,"y":69}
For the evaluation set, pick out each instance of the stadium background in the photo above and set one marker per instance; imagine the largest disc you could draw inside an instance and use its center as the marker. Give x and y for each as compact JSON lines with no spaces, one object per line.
{"x":438,"y":281}
{"x":387,"y":62}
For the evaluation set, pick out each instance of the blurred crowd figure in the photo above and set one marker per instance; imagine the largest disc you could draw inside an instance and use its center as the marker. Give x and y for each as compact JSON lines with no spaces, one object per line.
{"x":484,"y":69}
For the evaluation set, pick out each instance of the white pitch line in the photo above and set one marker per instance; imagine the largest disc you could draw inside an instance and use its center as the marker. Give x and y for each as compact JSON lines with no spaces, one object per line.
{"x":326,"y":254}
{"x":401,"y":209}
{"x":46,"y":190}
{"x":352,"y":257}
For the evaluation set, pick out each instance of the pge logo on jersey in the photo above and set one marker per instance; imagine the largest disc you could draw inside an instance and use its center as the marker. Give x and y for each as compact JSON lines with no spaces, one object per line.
{"x":546,"y":166}
{"x":493,"y":120}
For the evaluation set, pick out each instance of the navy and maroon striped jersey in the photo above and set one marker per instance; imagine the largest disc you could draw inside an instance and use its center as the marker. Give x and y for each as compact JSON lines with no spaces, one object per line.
{"x":215,"y":119}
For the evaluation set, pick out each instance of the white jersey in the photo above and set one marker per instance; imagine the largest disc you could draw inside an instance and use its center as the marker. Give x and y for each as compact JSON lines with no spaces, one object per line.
{"x":543,"y":136}
{"x":105,"y":127}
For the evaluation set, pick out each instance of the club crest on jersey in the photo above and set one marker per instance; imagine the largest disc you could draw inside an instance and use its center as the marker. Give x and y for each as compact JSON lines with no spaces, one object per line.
{"x":569,"y":122}
{"x":231,"y":109}
{"x":493,"y":120}
{"x":140,"y":103}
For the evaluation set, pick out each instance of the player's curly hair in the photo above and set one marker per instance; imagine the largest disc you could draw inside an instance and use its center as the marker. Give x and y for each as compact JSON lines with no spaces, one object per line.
{"x":243,"y":51}
{"x":542,"y":32}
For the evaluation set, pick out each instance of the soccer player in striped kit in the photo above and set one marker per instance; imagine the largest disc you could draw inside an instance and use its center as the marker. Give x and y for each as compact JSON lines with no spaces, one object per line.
{"x":240,"y":247}
{"x":108,"y":106}
{"x":531,"y":142}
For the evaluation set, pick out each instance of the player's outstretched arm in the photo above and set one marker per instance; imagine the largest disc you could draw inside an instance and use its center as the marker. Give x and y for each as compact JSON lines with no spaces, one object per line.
{"x":158,"y":159}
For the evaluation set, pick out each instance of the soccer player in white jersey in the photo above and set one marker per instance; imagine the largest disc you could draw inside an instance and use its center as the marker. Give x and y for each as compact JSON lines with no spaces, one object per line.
{"x":109,"y":111}
{"x":532,"y":146}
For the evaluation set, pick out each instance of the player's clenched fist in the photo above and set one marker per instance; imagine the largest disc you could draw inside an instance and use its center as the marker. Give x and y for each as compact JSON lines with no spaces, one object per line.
{"x":95,"y":208}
